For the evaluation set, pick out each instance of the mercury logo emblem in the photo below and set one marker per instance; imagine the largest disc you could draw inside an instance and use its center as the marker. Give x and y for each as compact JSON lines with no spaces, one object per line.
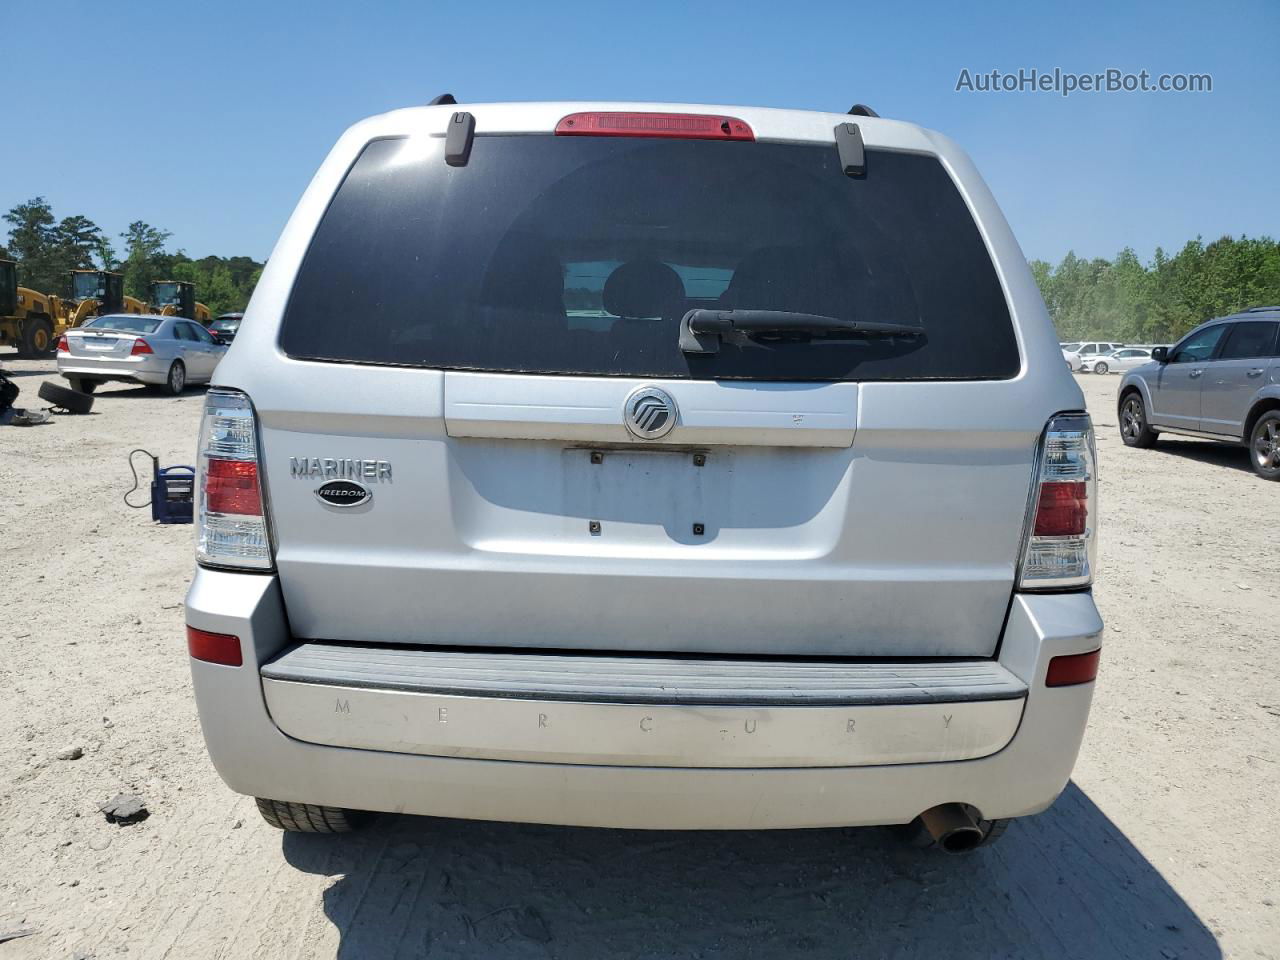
{"x":650,"y":413}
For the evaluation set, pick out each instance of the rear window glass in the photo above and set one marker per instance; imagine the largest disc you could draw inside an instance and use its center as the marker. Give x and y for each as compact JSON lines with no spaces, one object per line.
{"x":124,"y":324}
{"x":579,"y":255}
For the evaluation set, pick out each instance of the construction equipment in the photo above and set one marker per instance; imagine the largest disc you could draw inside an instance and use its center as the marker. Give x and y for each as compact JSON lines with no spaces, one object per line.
{"x":177,"y":298}
{"x":97,"y":293}
{"x":30,"y":321}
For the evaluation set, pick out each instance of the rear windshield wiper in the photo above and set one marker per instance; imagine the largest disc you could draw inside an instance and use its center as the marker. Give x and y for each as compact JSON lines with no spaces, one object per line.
{"x":701,"y":330}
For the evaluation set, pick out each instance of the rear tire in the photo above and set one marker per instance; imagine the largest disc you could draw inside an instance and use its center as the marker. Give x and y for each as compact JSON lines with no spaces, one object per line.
{"x":176,"y":381}
{"x":1264,"y":446}
{"x":1135,"y":431}
{"x":310,"y":818}
{"x":37,"y":338}
{"x":1101,"y":367}
{"x":73,"y":401}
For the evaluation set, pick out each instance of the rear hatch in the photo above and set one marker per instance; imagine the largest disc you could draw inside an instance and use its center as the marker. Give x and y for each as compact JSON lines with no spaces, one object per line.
{"x":493,"y":350}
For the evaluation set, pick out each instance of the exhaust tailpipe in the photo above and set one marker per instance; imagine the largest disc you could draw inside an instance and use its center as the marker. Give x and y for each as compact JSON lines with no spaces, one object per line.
{"x":952,"y":828}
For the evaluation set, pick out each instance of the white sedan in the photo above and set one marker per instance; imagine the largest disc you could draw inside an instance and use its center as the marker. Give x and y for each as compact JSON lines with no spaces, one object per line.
{"x":1118,"y":361}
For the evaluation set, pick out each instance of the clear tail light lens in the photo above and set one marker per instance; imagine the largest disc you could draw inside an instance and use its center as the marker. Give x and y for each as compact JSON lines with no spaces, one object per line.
{"x":231,"y":516}
{"x":1062,"y":534}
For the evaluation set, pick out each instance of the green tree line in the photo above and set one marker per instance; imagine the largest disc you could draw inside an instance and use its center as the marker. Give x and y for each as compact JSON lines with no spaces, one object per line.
{"x":48,"y":249}
{"x":1122,"y":299}
{"x":1157,"y":302}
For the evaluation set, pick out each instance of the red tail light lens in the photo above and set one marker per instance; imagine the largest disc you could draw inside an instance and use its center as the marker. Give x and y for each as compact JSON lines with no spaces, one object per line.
{"x":63,"y":346}
{"x":231,"y":521}
{"x":220,"y":648}
{"x":1063,"y":510}
{"x":1073,"y":669}
{"x":1062,"y":529}
{"x":687,"y":126}
{"x":140,"y":347}
{"x":231,"y":486}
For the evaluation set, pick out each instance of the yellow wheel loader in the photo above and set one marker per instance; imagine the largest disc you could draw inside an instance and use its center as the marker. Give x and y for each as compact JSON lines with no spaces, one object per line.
{"x":97,"y":293}
{"x":30,"y":321}
{"x":177,"y":298}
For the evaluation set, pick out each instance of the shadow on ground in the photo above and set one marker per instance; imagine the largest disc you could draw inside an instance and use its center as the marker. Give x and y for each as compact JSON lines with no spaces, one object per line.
{"x":1206,"y":451}
{"x":1064,"y":884}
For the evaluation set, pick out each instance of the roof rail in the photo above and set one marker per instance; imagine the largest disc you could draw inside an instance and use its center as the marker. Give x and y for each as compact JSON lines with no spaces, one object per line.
{"x":441,"y":100}
{"x":862,"y":110}
{"x":1261,"y":309}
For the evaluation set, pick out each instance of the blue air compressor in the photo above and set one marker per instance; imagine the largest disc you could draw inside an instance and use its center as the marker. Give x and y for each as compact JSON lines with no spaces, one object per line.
{"x":172,"y":490}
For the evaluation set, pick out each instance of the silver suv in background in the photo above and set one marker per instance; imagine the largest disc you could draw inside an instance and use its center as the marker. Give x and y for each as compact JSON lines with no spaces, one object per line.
{"x":646,"y":466}
{"x":1221,"y":382}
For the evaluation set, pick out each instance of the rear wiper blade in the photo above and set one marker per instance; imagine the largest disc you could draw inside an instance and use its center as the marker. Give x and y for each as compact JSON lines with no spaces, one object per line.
{"x":701,"y":330}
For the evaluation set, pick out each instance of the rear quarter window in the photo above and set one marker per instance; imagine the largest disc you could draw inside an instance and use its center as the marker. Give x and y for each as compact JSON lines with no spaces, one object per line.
{"x":579,"y":255}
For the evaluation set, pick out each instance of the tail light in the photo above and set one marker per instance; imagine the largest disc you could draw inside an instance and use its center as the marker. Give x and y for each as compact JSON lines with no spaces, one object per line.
{"x":63,"y":346}
{"x":140,"y":347}
{"x":231,"y":516}
{"x":683,"y":126}
{"x":1061,"y":543}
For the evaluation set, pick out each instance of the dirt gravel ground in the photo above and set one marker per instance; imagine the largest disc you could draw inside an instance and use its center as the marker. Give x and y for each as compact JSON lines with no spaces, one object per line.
{"x":1166,"y":845}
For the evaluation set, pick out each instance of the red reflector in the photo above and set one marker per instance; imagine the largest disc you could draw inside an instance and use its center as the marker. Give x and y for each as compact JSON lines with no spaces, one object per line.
{"x":63,"y":346}
{"x":688,"y":126}
{"x":231,"y":486}
{"x":140,"y":347}
{"x":1063,"y":509}
{"x":220,"y":648}
{"x":1076,"y":668}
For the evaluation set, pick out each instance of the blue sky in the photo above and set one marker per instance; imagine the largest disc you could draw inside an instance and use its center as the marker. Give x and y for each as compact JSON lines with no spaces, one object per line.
{"x":208,"y":120}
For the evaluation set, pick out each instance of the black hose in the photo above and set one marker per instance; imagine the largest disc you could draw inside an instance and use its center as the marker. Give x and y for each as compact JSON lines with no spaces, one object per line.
{"x":137,"y":482}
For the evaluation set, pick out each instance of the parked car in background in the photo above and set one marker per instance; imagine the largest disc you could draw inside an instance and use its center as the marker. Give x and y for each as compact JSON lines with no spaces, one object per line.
{"x":225,"y":326}
{"x":1118,"y":361}
{"x":1088,"y":350}
{"x":165,"y":352}
{"x":657,"y":516}
{"x":1221,"y":381}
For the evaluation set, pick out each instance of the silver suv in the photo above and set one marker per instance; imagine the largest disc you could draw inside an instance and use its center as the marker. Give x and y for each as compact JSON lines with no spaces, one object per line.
{"x":643,"y":466}
{"x":1221,"y":381}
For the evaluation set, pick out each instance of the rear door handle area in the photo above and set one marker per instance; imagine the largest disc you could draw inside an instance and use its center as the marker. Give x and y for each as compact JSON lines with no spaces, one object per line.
{"x":1196,"y":373}
{"x":1256,"y":371}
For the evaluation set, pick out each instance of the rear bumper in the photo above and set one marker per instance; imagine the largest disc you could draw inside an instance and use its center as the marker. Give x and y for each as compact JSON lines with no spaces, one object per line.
{"x":142,"y":369}
{"x":254,"y":756}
